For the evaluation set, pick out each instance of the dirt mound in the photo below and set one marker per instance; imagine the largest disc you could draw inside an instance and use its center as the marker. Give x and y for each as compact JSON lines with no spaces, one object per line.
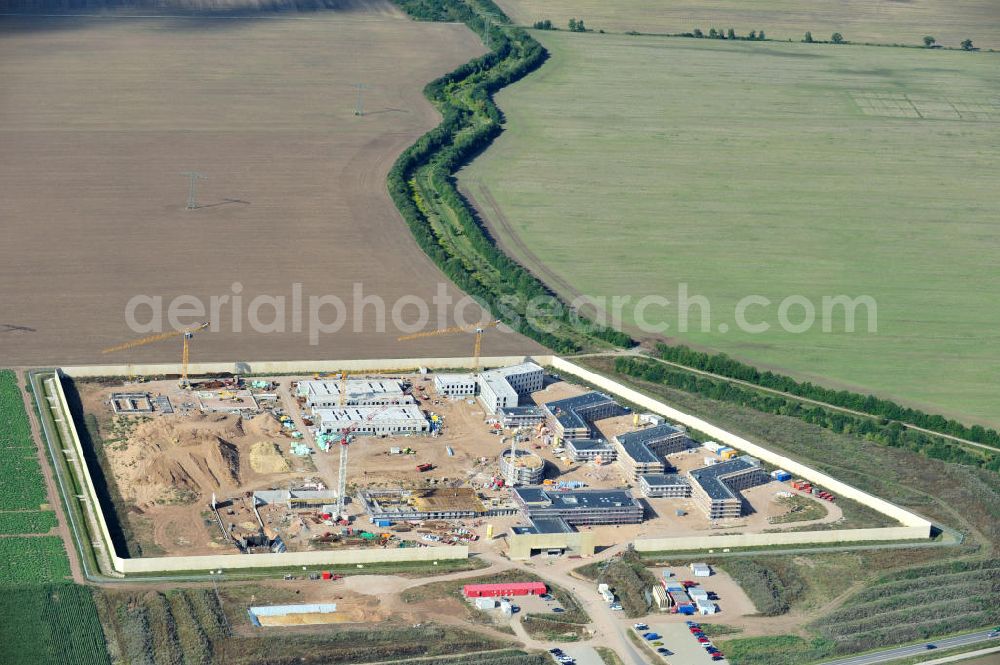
{"x":266,"y":457}
{"x":169,"y":460}
{"x":264,"y":426}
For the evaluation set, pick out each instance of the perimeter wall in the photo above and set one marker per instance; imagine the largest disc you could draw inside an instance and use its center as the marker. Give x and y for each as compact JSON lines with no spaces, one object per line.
{"x":913,"y":526}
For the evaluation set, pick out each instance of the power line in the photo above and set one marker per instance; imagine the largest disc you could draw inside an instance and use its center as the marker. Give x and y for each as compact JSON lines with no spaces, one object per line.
{"x":359,"y":105}
{"x":193,"y":177}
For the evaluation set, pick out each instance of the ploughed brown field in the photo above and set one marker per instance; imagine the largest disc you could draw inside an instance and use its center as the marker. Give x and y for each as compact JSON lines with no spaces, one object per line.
{"x":99,"y":118}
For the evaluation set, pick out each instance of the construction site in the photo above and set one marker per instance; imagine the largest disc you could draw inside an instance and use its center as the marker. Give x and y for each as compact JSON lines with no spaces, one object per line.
{"x":394,"y":459}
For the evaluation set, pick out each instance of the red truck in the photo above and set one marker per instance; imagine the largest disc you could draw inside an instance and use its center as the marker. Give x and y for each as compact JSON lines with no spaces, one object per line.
{"x":424,"y":467}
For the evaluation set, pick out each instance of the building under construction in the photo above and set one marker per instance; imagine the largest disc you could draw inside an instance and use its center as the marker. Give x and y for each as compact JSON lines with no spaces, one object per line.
{"x":425,"y":504}
{"x":579,"y":507}
{"x":521,"y":467}
{"x":326,"y":394}
{"x":717,"y":489}
{"x":572,"y":418}
{"x":372,"y":420}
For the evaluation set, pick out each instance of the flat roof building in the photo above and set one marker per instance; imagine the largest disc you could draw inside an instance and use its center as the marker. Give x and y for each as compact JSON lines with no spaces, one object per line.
{"x":503,"y":387}
{"x":636,"y":459}
{"x":372,"y":420}
{"x":662,"y":439}
{"x":520,"y":416}
{"x":572,"y":418}
{"x":587,"y":450}
{"x":325,"y":394}
{"x":579,"y":507}
{"x":429,"y":504}
{"x":455,"y":385}
{"x":668,"y":485}
{"x":717,"y":489}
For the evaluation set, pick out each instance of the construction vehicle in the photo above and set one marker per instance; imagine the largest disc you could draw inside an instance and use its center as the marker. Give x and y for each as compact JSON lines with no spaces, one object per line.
{"x":187,"y":335}
{"x":478,"y":330}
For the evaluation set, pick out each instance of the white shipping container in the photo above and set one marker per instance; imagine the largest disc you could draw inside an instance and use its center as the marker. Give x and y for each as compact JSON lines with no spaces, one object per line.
{"x":711,"y":446}
{"x":485,"y":603}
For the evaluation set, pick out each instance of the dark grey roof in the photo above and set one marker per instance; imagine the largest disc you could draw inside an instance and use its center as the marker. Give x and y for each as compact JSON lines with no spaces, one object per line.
{"x":587,"y":444}
{"x":575,"y":499}
{"x":531,"y":494}
{"x":708,"y":477}
{"x":662,"y":479}
{"x":521,"y":411}
{"x":655,"y":433}
{"x":550,"y":525}
{"x":570,"y":403}
{"x":640,"y":452}
{"x":565,"y":410}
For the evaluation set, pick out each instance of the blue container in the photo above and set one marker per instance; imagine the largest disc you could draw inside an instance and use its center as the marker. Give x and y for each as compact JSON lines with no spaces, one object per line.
{"x":383,"y":523}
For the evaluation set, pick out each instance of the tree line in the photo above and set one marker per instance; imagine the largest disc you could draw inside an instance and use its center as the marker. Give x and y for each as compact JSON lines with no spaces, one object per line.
{"x":471,"y":121}
{"x":723,"y":365}
{"x":878,"y":430}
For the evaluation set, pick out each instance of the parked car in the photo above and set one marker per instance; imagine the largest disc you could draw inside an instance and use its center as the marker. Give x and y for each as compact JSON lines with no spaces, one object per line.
{"x":555,"y":651}
{"x":662,"y":650}
{"x":558,"y":609}
{"x":651,"y":636}
{"x":640,"y":626}
{"x":702,"y":640}
{"x":930,"y":646}
{"x":657,"y":643}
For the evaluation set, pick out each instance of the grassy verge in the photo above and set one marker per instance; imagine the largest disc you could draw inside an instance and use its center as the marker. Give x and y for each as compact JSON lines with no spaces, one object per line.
{"x":628,"y":577}
{"x":869,"y":428}
{"x":421,"y":183}
{"x":719,"y":629}
{"x":609,"y":656}
{"x":799,"y":509}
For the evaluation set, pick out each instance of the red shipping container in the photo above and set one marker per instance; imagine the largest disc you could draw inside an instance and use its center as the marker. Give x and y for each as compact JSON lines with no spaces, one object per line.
{"x":505,"y":589}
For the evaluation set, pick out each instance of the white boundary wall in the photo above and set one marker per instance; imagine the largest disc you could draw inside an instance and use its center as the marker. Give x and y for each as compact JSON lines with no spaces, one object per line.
{"x":914,"y":526}
{"x":279,"y":367}
{"x":287,"y":559}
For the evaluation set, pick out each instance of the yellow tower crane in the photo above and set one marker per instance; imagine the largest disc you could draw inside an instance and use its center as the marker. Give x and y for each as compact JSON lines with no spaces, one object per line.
{"x":187,"y":335}
{"x":478,"y":330}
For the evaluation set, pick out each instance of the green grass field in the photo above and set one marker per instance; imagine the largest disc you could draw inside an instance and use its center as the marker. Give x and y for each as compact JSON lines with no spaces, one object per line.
{"x":44,"y":617}
{"x":633,"y":164}
{"x":874,"y":21}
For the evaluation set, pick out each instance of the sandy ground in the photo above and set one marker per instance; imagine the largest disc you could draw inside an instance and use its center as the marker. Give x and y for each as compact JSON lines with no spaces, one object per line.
{"x":100,"y":117}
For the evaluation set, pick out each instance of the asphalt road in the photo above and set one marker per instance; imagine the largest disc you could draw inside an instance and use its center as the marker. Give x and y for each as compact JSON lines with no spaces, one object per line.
{"x":915,"y":649}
